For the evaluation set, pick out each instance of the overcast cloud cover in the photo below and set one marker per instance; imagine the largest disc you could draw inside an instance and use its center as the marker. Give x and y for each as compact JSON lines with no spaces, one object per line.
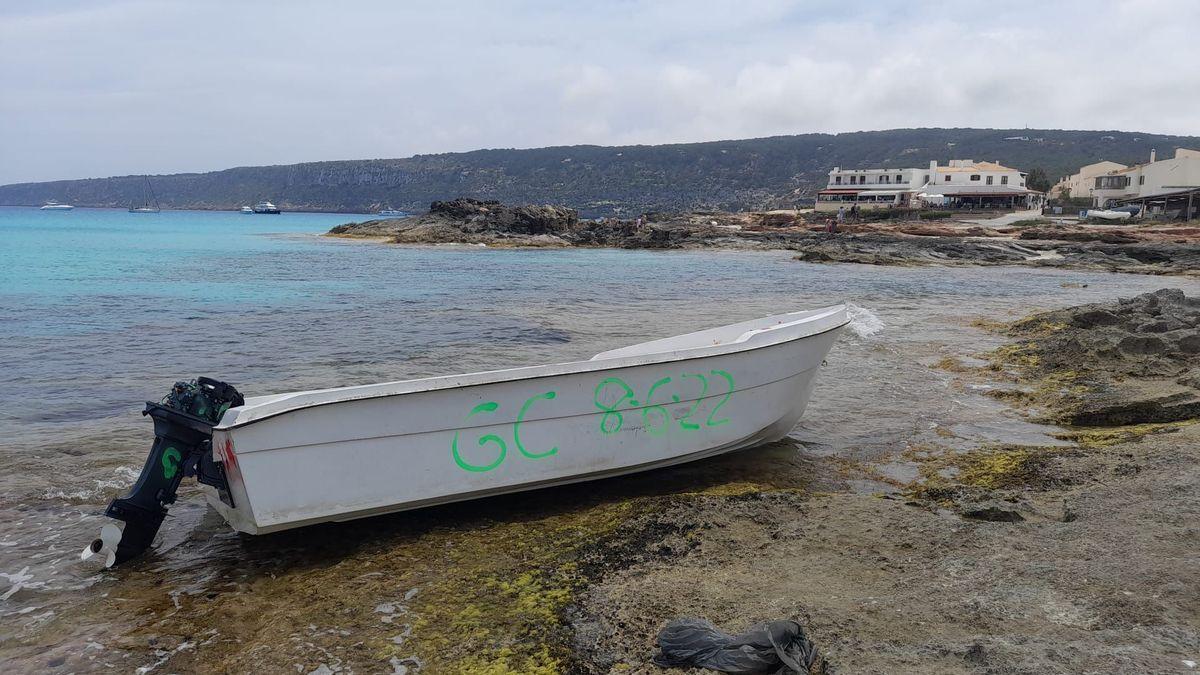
{"x":101,"y":88}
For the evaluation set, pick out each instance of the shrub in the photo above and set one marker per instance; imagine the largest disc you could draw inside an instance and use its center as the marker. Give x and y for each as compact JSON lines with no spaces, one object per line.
{"x":935,"y":215}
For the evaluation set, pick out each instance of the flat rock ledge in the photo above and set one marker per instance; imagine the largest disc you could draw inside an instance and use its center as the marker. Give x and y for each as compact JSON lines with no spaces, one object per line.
{"x":1144,"y":250}
{"x":1135,"y":361}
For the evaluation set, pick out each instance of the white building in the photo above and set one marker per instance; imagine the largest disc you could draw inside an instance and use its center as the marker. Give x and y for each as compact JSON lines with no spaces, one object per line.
{"x":1142,"y":181}
{"x":961,"y":183}
{"x":1080,"y":184}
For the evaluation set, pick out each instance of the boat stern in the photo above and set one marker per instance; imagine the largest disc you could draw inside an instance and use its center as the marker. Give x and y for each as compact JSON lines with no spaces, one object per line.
{"x":183,"y":429}
{"x":232,"y":501}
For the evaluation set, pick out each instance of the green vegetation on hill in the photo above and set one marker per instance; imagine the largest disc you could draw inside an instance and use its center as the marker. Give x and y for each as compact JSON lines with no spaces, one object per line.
{"x":759,"y":173}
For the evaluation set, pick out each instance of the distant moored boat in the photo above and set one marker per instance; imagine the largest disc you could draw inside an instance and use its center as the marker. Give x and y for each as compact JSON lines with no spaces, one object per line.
{"x":55,"y":206}
{"x":149,"y":203}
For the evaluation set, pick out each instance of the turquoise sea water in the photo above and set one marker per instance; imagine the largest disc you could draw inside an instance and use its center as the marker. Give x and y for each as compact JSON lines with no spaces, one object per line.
{"x":101,"y":310}
{"x":100,"y":286}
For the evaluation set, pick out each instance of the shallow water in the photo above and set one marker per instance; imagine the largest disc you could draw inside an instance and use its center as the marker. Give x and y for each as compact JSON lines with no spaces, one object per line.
{"x":101,"y":310}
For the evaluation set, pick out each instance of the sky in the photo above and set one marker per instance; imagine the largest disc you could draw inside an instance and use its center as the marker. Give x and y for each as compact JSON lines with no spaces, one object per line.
{"x":103,"y":88}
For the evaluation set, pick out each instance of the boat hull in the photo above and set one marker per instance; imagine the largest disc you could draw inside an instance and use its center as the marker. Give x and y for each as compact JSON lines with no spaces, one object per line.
{"x":517,"y":430}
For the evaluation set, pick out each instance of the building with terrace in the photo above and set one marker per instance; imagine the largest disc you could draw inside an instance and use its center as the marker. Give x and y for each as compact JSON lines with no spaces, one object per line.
{"x":962,"y":183}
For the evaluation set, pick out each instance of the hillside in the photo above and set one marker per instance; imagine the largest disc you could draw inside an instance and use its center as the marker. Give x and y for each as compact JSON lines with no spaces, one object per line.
{"x":757,"y":173}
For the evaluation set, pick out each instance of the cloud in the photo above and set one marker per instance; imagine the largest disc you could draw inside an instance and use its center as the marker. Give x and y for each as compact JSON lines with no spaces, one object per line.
{"x":96,"y":89}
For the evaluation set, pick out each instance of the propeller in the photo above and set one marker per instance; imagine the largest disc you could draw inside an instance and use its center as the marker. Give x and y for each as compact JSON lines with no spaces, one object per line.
{"x":106,"y":545}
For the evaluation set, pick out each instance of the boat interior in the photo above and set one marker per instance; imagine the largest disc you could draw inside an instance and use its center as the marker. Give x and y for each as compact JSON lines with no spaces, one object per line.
{"x":724,"y":335}
{"x":803,"y":324}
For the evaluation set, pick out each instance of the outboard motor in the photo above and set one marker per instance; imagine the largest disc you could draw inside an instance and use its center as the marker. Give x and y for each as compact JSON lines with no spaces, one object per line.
{"x":183,"y":424}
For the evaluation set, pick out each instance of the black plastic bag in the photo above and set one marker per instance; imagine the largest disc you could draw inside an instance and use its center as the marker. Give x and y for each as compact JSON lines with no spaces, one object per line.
{"x":778,"y":647}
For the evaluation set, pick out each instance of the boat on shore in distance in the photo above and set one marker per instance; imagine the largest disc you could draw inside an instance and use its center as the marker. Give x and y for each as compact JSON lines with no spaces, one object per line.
{"x":149,"y":203}
{"x":1109,"y":214}
{"x":55,"y":206}
{"x":265,"y":207}
{"x":390,"y":212}
{"x":270,"y":463}
{"x":247,"y":209}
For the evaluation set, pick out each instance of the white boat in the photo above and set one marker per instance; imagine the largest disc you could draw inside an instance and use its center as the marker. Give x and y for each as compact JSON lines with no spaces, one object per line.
{"x":55,"y":206}
{"x":247,"y":209}
{"x":265,"y":207}
{"x":1106,"y":214}
{"x":289,"y":460}
{"x":149,"y":203}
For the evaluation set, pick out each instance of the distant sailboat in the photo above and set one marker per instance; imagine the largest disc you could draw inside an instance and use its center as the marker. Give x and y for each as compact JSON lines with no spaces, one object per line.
{"x":149,"y":204}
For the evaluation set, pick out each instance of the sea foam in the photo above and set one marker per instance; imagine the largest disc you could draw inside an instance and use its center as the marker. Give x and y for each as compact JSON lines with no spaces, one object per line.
{"x":863,"y":321}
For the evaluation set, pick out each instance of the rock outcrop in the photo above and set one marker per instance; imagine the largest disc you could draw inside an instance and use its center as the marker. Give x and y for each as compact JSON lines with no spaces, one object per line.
{"x":1060,"y":234}
{"x":1136,"y":361}
{"x":893,"y":248}
{"x":883,"y":248}
{"x":471,"y":221}
{"x":1163,"y":250}
{"x":473,"y":215}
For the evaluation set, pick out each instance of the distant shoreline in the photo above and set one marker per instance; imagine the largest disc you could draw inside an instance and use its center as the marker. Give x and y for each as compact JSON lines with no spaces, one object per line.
{"x":36,"y":207}
{"x":1148,"y":248}
{"x":617,"y":181}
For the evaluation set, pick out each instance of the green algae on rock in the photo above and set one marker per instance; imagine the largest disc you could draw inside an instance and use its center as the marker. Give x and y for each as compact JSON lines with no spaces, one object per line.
{"x":1112,"y":373}
{"x":1111,"y":364}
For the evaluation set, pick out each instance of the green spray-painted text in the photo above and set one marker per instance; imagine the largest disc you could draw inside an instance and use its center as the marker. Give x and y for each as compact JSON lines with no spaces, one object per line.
{"x":501,"y":445}
{"x":170,"y":462}
{"x":614,"y":398}
{"x":612,"y":395}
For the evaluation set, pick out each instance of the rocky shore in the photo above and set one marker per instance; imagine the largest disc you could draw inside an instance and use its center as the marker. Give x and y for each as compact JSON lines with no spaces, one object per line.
{"x":1077,"y":556}
{"x":1129,"y":363}
{"x":1140,"y":249}
{"x":1073,"y":556}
